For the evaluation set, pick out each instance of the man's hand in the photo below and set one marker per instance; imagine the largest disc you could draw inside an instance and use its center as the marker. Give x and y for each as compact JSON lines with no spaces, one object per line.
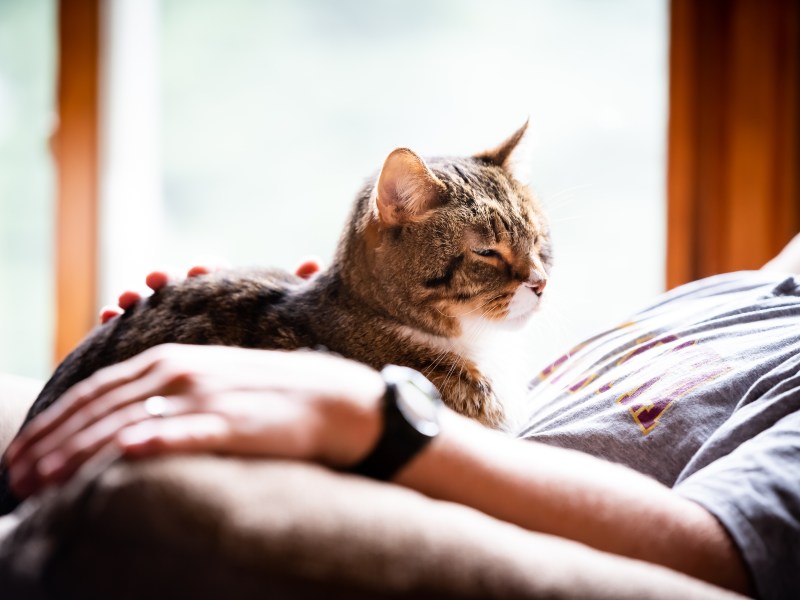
{"x":303,"y":405}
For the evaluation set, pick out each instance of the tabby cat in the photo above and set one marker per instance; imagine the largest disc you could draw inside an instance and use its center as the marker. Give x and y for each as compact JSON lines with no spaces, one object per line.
{"x":433,"y":251}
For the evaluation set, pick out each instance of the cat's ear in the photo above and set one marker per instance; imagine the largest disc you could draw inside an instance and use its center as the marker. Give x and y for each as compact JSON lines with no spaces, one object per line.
{"x":407,"y":188}
{"x":511,"y":154}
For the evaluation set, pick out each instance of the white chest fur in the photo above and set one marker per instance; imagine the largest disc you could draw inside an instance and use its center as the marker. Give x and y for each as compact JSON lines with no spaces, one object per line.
{"x":493,"y":349}
{"x":492,"y":346}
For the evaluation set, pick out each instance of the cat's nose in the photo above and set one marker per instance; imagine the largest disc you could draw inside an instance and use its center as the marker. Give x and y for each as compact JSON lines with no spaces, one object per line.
{"x":537,"y":282}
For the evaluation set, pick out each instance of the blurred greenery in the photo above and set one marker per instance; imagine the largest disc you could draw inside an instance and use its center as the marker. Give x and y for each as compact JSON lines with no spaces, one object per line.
{"x":27,"y":58}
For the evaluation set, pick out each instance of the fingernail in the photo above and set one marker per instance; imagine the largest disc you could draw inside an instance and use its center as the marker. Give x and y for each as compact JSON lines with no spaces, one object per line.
{"x":107,"y":313}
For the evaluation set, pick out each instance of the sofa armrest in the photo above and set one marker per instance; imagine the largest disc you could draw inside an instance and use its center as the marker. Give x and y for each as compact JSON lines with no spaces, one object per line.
{"x":16,"y":396}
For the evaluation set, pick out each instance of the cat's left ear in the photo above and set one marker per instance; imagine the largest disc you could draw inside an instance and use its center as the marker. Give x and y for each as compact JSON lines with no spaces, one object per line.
{"x":511,"y":154}
{"x":407,"y":188}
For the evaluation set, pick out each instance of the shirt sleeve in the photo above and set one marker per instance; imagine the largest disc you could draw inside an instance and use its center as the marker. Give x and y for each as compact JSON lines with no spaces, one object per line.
{"x":754,"y":491}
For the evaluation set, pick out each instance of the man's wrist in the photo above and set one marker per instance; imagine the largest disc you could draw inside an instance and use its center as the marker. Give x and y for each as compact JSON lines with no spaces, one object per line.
{"x":351,"y":420}
{"x":410,"y":411}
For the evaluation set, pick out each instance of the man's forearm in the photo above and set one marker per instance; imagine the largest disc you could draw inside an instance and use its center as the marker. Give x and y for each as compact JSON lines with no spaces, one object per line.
{"x":575,"y":496}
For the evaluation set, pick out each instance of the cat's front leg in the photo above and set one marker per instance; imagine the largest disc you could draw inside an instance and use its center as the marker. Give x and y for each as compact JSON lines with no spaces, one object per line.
{"x":467,"y":391}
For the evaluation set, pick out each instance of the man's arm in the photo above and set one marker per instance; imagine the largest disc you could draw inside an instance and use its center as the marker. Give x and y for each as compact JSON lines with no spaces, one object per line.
{"x":575,"y":496}
{"x":311,"y":406}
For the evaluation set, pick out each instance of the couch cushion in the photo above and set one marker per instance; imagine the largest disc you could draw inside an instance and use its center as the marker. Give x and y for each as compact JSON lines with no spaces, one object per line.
{"x":208,"y":527}
{"x":16,"y":396}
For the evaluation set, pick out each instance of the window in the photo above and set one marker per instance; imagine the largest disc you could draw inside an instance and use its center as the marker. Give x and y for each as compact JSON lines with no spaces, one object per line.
{"x":272,"y":113}
{"x":244,"y":129}
{"x":27,"y":45}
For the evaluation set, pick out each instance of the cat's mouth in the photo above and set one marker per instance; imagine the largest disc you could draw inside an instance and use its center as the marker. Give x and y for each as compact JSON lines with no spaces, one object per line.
{"x":522,"y":306}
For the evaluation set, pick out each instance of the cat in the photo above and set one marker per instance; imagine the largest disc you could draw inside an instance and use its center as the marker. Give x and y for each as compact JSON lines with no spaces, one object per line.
{"x":433,"y":250}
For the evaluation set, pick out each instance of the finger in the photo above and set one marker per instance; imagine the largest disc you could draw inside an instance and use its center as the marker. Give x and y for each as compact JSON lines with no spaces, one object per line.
{"x":156,"y":280}
{"x":278,"y":428}
{"x":58,"y":464}
{"x":59,"y":455}
{"x":207,"y":265}
{"x":198,"y":270}
{"x":134,"y":432}
{"x":82,"y":409}
{"x":109,"y":312}
{"x":309,"y":267}
{"x":103,"y":406}
{"x":77,"y":397}
{"x":128,"y":299}
{"x":205,"y":432}
{"x":85,"y":415}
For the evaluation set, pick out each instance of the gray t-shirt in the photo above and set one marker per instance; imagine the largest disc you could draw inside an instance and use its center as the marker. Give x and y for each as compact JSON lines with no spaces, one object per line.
{"x":702,"y":392}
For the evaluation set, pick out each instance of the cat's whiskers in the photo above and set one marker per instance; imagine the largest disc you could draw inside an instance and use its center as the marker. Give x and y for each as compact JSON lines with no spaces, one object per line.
{"x":539,"y":346}
{"x":461,"y":350}
{"x":435,"y":363}
{"x":550,"y":200}
{"x":450,"y":370}
{"x":567,"y":190}
{"x":469,"y":312}
{"x":571,"y":218}
{"x":557,"y":317}
{"x":482,"y":336}
{"x":473,"y":336}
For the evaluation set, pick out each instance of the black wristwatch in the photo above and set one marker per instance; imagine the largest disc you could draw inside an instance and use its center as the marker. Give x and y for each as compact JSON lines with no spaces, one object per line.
{"x":411,"y":408}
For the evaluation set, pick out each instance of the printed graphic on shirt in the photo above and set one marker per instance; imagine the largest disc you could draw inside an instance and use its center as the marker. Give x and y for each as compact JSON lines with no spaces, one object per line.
{"x":692,"y":365}
{"x":668,"y":369}
{"x":571,"y":358}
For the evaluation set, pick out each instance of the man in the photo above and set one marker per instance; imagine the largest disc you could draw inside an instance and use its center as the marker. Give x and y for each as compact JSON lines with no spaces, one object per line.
{"x":698,"y":395}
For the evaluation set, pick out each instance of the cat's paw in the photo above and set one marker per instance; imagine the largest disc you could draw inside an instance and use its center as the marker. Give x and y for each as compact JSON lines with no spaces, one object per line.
{"x":491,"y":412}
{"x":471,"y":395}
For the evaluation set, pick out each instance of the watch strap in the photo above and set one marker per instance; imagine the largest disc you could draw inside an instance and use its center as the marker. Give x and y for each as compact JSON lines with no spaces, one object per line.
{"x":398,"y":444}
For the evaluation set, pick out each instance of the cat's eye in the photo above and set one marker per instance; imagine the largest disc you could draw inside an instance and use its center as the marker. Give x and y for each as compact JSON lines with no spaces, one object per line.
{"x":487,"y":252}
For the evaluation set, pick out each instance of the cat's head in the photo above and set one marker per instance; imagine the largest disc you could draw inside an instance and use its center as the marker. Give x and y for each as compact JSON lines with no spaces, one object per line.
{"x":445,"y":240}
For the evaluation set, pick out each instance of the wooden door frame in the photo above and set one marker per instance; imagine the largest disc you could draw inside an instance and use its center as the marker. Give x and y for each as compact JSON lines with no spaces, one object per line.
{"x":75,"y":147}
{"x":733,"y":185}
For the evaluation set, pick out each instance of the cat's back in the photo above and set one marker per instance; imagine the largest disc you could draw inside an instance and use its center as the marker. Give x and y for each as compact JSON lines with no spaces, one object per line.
{"x":247,"y":308}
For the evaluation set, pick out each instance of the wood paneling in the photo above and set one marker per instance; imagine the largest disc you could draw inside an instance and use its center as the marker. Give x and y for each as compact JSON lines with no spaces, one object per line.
{"x":75,"y":146}
{"x":734,"y":134}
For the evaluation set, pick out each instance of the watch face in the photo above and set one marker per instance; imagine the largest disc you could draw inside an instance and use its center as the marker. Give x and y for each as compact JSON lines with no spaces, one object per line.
{"x":418,"y":407}
{"x":416,"y":397}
